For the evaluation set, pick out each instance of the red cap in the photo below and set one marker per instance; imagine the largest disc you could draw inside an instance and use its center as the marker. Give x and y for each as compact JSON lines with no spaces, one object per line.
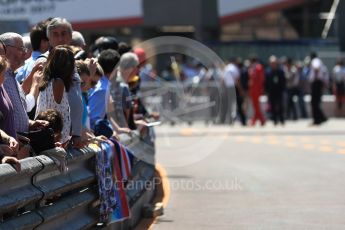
{"x":140,"y":52}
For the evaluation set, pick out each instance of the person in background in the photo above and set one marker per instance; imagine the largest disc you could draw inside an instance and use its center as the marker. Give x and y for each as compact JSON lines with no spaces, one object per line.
{"x":104,"y":43}
{"x":78,"y":40}
{"x":145,"y":69}
{"x":275,"y":87}
{"x":256,"y":87}
{"x":231,"y":76}
{"x":241,"y":91}
{"x":28,"y":46}
{"x":78,"y":45}
{"x":124,"y":48}
{"x":292,"y":83}
{"x":319,"y":78}
{"x":79,"y":53}
{"x":303,"y":86}
{"x":339,"y":85}
{"x":127,"y":70}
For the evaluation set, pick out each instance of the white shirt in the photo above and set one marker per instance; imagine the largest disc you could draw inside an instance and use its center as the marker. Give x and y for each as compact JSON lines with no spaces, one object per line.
{"x":46,"y":101}
{"x":231,"y":74}
{"x":318,"y":71}
{"x":339,"y":73}
{"x":30,"y":102}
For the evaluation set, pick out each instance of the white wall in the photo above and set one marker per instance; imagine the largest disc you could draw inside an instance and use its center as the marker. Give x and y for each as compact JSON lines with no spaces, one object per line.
{"x":73,"y":10}
{"x":89,"y":10}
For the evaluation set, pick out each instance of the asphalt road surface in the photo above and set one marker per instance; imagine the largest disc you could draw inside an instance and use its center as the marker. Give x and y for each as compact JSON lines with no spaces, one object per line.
{"x":290,"y":177}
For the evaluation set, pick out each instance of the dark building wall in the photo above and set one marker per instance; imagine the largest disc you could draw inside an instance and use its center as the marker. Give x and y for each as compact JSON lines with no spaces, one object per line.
{"x":170,"y":13}
{"x":306,"y":18}
{"x":341,"y":24}
{"x":202,"y":14}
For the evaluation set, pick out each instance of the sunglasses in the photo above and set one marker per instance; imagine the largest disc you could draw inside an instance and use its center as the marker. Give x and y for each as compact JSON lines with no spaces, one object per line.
{"x":21,"y":48}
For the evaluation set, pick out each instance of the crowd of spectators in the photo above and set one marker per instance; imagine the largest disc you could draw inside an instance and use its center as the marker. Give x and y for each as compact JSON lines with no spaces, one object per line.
{"x":54,"y":90}
{"x":51,"y":81}
{"x":284,"y":81}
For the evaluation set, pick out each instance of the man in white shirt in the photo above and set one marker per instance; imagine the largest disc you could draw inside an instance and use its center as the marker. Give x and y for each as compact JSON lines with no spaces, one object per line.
{"x":319,"y":78}
{"x":231,"y":75}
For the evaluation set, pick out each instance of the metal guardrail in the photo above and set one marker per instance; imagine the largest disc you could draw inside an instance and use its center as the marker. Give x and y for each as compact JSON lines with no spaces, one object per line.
{"x":41,"y":197}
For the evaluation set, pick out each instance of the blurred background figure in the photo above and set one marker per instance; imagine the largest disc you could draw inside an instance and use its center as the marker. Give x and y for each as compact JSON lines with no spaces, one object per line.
{"x":104,"y":43}
{"x":276,"y":88}
{"x":231,"y":76}
{"x":303,"y":89}
{"x":319,"y":79}
{"x":78,"y":39}
{"x":256,"y":88}
{"x":292,"y":90}
{"x":28,"y":46}
{"x":338,"y":76}
{"x":79,"y":45}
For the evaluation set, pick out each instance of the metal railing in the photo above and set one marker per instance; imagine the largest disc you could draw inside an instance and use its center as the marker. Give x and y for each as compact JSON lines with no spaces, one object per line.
{"x":42,"y":197}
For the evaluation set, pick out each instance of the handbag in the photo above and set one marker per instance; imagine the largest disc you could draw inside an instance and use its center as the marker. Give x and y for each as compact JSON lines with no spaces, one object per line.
{"x":41,"y":139}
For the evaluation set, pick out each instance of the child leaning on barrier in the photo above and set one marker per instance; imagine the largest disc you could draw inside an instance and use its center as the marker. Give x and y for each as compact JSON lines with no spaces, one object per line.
{"x":54,"y":86}
{"x":55,"y":120}
{"x":58,"y":154}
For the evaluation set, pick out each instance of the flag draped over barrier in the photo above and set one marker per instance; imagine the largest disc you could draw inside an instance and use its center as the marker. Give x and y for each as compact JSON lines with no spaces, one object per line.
{"x":111,"y":173}
{"x":125,"y":159}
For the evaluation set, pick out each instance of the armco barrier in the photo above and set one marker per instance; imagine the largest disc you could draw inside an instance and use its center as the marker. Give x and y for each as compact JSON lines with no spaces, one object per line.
{"x":41,"y":197}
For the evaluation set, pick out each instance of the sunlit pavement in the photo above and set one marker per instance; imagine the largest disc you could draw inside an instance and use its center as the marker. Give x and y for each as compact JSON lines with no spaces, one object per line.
{"x":224,"y":177}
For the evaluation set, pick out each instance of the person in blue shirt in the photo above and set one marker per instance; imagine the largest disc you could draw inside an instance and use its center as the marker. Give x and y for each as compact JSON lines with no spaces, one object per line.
{"x":99,"y":96}
{"x":40,"y":45}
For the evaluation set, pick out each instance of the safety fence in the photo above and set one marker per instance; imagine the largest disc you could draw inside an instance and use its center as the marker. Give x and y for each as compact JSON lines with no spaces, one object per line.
{"x":42,"y":197}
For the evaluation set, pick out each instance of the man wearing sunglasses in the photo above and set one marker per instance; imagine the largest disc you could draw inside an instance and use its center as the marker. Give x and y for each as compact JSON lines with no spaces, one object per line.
{"x":15,"y":55}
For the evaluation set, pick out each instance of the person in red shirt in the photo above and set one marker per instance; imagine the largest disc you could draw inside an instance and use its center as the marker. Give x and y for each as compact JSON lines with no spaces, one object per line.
{"x":256,"y":89}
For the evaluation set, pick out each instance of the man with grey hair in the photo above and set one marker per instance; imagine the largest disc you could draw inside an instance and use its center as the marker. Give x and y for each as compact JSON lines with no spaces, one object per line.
{"x":78,"y":39}
{"x":127,"y":69}
{"x":127,"y":65}
{"x":59,"y":32}
{"x":28,"y":46}
{"x":15,"y":54}
{"x":275,"y":83}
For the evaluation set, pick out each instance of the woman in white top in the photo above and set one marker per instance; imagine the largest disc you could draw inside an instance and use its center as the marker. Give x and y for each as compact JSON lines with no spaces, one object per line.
{"x":56,"y":82}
